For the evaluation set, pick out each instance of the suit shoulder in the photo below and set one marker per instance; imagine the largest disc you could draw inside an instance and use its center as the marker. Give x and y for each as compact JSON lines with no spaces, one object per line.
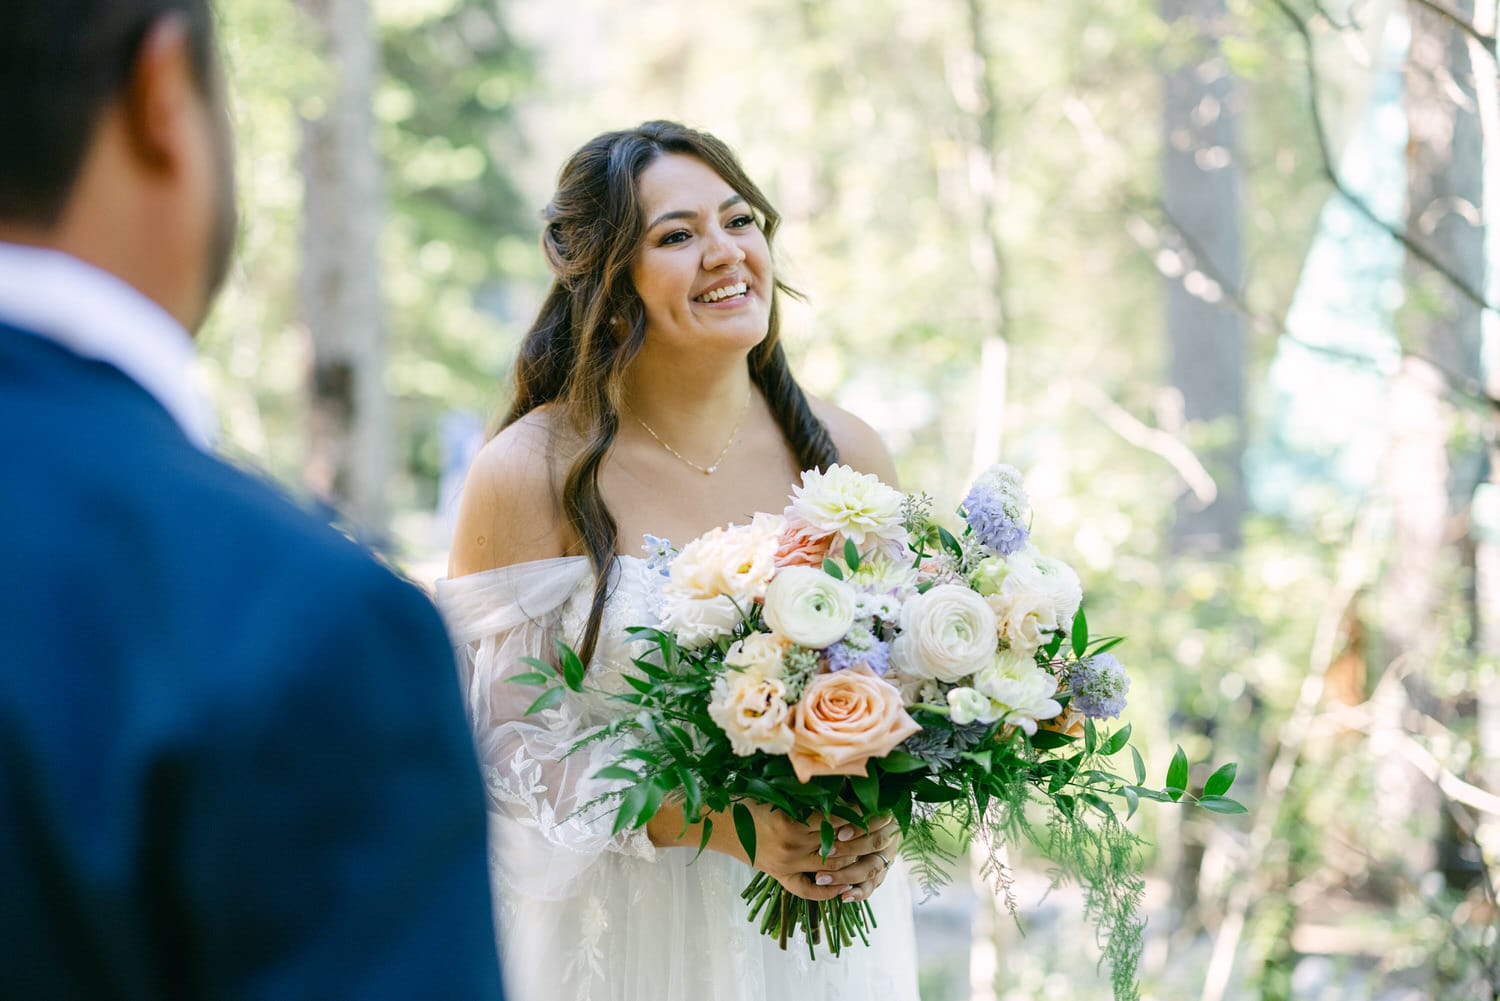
{"x":859,"y":445}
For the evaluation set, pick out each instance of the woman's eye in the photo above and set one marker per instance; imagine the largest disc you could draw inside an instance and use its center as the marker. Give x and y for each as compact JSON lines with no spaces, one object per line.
{"x":676,"y":236}
{"x":741,"y":221}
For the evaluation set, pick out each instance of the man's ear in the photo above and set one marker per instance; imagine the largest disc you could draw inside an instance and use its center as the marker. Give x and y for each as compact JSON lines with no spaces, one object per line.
{"x":159,"y":104}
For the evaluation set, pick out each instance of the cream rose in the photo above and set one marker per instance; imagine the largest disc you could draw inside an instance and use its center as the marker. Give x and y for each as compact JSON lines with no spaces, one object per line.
{"x":734,"y":562}
{"x":758,"y":655}
{"x":1023,"y":620}
{"x":843,"y":720}
{"x":947,"y":633}
{"x":753,"y":713}
{"x":809,"y":607}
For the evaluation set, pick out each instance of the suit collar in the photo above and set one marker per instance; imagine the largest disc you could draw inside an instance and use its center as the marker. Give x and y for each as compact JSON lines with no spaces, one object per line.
{"x":96,"y":315}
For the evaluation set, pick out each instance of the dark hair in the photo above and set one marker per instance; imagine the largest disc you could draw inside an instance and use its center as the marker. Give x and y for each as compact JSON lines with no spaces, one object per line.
{"x":61,"y":63}
{"x":572,"y":357}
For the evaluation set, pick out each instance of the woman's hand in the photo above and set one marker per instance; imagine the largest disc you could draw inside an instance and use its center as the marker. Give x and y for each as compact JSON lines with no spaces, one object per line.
{"x":791,"y":852}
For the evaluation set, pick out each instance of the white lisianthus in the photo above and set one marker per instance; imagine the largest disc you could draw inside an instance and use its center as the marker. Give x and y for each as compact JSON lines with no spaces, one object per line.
{"x":1024,"y":621}
{"x":809,"y":607}
{"x":699,"y":621}
{"x":1023,"y":692}
{"x":947,"y":633}
{"x":759,"y":655}
{"x":1032,"y":573}
{"x":970,"y":706}
{"x":856,"y":505}
{"x":753,"y":713}
{"x":736,"y":562}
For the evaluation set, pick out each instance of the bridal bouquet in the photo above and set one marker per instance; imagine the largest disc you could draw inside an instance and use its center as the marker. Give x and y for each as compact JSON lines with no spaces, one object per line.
{"x":852,"y":657}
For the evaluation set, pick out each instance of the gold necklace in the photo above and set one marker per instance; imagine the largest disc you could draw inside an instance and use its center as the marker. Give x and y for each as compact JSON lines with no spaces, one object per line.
{"x":705,"y":470}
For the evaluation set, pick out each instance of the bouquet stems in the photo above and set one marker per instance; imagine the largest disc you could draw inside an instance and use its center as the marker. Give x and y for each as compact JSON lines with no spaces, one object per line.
{"x":832,"y":924}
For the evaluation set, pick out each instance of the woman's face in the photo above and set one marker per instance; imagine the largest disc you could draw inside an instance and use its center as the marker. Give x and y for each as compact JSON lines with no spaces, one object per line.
{"x":703,"y":270}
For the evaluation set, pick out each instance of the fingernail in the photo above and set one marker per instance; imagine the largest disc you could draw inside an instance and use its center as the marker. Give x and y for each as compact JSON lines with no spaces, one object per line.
{"x":824,"y":879}
{"x":845,"y":833}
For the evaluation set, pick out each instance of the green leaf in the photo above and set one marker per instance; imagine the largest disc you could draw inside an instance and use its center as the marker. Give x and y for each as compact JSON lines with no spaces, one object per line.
{"x":1046,"y":740}
{"x":1090,"y":736}
{"x":1117,"y":740}
{"x":541,"y":665}
{"x":825,"y":839}
{"x":744,"y":826}
{"x":832,"y":569}
{"x":1053,"y":645}
{"x":1140,"y":766}
{"x":641,"y":754}
{"x":981,"y":798}
{"x":530,"y":678}
{"x":928,"y":791}
{"x":630,"y":806}
{"x":867,"y":791}
{"x":1155,"y":795}
{"x":1104,"y":643}
{"x":572,"y":667}
{"x":950,"y":543}
{"x":1222,"y":804}
{"x":618,"y":772}
{"x":548,"y":700}
{"x":851,"y":555}
{"x":1080,"y":633}
{"x":1133,"y":800}
{"x":1177,"y":774}
{"x":708,"y":832}
{"x":1219,"y":782}
{"x":655,"y":793}
{"x":898,"y":762}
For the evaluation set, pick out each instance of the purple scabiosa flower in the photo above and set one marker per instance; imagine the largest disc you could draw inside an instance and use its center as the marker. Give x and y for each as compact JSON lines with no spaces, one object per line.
{"x":995,"y":509}
{"x":1099,"y":684}
{"x":860,"y":646}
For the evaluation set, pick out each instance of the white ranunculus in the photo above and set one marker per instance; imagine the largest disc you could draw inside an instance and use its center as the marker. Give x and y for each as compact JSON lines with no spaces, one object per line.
{"x":1024,"y":621}
{"x":856,"y":505}
{"x":699,"y":621}
{"x":971,"y":706}
{"x":809,"y":607}
{"x":1032,"y":573}
{"x":947,"y":633}
{"x":1023,"y":691}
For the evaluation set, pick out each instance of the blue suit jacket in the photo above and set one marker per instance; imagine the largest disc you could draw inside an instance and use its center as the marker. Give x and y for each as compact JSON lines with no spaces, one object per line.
{"x":233,"y":761}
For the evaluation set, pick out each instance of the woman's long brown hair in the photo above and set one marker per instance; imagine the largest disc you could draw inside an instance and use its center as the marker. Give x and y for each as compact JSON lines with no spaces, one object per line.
{"x":573,"y":359}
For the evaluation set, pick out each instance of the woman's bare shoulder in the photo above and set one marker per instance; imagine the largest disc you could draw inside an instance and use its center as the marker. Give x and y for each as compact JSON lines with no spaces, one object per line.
{"x":859,"y":445}
{"x":511,"y":508}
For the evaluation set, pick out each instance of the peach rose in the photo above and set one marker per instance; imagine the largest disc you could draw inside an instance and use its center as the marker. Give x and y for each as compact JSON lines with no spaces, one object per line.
{"x":802,"y":545}
{"x":843,"y":720}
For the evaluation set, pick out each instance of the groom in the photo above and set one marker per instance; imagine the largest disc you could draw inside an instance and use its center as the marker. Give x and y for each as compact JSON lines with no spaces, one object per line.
{"x":233,"y":762}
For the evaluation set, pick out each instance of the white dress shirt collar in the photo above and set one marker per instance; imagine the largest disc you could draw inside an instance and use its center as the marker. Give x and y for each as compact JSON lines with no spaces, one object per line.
{"x":96,"y":315}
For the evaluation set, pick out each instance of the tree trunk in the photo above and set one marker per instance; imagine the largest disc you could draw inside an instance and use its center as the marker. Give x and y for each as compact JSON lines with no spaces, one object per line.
{"x":1428,"y":483}
{"x":348,"y":451}
{"x":1201,"y":195}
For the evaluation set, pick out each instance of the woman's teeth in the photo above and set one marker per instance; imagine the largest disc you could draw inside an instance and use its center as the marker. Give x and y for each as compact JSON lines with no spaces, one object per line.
{"x":720,"y":294}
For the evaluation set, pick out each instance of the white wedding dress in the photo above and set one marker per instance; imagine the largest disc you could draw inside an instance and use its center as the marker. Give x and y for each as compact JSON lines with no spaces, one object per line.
{"x":586,"y":916}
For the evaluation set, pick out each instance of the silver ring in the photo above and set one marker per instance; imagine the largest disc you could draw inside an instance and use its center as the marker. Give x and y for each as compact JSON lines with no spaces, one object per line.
{"x":884,"y":859}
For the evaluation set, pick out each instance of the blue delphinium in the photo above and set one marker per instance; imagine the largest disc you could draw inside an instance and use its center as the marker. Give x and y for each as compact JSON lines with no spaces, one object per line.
{"x":659,"y":553}
{"x":860,"y":646}
{"x":1099,"y":684}
{"x":995,"y":509}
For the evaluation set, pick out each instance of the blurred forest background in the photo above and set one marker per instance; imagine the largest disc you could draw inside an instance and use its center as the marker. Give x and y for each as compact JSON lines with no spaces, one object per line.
{"x":1212,"y":273}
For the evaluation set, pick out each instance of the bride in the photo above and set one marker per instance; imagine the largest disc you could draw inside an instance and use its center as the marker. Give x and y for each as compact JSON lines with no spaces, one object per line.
{"x":651,"y":396}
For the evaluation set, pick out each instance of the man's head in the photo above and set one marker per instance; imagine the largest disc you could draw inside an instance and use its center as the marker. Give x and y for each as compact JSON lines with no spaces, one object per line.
{"x":114,"y":142}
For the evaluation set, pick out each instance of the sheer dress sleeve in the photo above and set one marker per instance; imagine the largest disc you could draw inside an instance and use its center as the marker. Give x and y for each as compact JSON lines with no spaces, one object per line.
{"x":541,"y":844}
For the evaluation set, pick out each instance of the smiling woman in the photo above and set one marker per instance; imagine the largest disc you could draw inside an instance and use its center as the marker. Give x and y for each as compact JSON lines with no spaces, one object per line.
{"x":652,"y":396}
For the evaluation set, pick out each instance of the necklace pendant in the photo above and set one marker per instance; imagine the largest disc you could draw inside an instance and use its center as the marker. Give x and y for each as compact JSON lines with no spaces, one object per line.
{"x":710,"y":470}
